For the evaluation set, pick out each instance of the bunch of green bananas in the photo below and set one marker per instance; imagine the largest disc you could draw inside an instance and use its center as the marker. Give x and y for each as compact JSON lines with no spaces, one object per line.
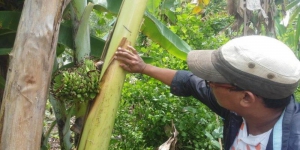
{"x":77,"y":84}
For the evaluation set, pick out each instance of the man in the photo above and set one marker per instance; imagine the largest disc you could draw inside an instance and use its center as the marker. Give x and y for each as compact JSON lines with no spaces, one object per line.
{"x":249,"y":82}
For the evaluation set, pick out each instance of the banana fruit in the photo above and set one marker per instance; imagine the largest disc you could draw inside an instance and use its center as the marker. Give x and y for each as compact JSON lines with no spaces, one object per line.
{"x":77,"y":84}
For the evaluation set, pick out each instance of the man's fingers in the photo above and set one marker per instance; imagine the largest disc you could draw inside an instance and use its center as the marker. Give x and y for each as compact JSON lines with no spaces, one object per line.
{"x":125,"y":67}
{"x":132,"y":49}
{"x":124,"y":52}
{"x":123,"y":59}
{"x":129,"y":59}
{"x":123,"y":55}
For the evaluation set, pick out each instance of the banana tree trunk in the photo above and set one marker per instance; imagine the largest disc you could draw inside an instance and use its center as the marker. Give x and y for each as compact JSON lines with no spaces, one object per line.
{"x":29,"y":74}
{"x":99,"y":124}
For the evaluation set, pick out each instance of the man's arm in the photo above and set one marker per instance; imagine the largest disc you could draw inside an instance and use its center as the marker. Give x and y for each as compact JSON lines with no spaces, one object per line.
{"x":133,"y":63}
{"x":162,"y":74}
{"x":183,"y":83}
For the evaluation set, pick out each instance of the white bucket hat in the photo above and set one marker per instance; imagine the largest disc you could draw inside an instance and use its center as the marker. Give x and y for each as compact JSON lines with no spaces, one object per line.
{"x":260,"y":64}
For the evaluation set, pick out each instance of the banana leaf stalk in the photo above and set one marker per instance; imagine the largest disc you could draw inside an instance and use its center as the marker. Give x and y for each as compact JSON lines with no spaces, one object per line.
{"x":80,"y":18}
{"x":99,"y":124}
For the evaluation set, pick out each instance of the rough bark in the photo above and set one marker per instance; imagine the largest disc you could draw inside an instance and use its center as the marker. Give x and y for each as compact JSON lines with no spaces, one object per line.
{"x":29,"y":74}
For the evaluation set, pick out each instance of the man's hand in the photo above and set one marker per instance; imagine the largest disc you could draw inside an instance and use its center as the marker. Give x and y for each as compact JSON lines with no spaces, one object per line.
{"x":130,"y":60}
{"x":133,"y":63}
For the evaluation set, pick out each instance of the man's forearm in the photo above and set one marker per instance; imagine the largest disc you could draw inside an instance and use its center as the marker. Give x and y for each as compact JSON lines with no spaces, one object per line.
{"x":162,"y":74}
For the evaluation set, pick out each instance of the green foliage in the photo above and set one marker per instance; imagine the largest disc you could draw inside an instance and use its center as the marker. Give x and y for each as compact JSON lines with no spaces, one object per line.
{"x":2,"y":82}
{"x":152,"y":27}
{"x":147,"y":110}
{"x":290,"y":35}
{"x":297,"y":94}
{"x":288,"y":38}
{"x":9,"y":20}
{"x":49,"y":123}
{"x":101,"y":23}
{"x":164,"y":10}
{"x":201,"y":32}
{"x":15,"y":5}
{"x":8,"y":27}
{"x":215,"y":6}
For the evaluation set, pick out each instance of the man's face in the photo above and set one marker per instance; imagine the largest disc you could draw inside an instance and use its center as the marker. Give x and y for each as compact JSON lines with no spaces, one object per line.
{"x":227,"y":96}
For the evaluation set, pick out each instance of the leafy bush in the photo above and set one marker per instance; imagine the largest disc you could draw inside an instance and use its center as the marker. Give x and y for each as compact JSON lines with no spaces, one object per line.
{"x":288,"y":37}
{"x":201,"y":32}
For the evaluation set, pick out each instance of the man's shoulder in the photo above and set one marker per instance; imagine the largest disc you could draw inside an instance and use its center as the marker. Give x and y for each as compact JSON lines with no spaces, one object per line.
{"x":292,"y":115}
{"x":291,"y":123}
{"x":294,"y":106}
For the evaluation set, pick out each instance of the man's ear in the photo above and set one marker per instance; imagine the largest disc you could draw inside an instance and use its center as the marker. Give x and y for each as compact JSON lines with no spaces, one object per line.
{"x":248,"y":99}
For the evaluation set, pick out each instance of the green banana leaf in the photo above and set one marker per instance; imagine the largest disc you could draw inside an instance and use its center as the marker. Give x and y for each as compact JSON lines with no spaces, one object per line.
{"x":65,"y":38}
{"x":9,"y":21}
{"x":169,"y":10}
{"x":151,"y":27}
{"x":97,"y":46}
{"x":60,"y":49}
{"x":107,"y":5}
{"x":66,"y":35}
{"x":292,"y":4}
{"x":294,"y":15}
{"x":82,"y":31}
{"x":2,"y":82}
{"x":279,"y":28}
{"x":297,"y":34}
{"x":159,"y":33}
{"x":152,"y":5}
{"x":166,"y":8}
{"x":5,"y":51}
{"x":7,"y":38}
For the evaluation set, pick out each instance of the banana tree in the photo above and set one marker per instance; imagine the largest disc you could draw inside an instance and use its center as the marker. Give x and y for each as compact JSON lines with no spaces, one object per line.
{"x":151,"y":27}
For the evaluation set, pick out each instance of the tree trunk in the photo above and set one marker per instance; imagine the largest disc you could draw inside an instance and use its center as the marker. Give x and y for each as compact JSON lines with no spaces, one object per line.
{"x":29,"y":74}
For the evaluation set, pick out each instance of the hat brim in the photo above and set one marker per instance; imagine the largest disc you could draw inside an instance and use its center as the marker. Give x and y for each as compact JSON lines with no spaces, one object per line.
{"x":200,"y":64}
